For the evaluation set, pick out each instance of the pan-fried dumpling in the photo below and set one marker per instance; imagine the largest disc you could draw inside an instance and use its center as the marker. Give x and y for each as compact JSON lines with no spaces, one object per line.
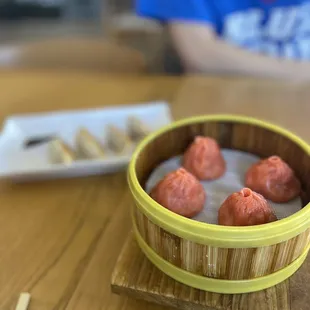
{"x":137,"y":129}
{"x":117,"y":140}
{"x":60,"y":152}
{"x":88,"y":146}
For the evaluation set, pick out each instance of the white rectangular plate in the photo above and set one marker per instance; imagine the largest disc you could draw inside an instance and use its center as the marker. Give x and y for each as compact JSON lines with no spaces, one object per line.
{"x":23,"y":164}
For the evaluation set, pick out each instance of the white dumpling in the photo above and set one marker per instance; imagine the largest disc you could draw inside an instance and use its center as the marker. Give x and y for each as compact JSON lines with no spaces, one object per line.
{"x":88,"y":146}
{"x":118,"y":140}
{"x":137,"y":129}
{"x":60,"y":152}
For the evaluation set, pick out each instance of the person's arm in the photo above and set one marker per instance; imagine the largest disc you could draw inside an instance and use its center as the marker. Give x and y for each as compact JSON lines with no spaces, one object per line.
{"x":201,"y":51}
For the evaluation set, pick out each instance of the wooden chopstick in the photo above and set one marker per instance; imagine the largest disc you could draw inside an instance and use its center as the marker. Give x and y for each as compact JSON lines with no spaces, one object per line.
{"x":23,"y":301}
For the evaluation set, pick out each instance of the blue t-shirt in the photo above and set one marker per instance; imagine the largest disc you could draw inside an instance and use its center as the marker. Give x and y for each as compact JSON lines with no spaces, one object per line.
{"x":279,"y":28}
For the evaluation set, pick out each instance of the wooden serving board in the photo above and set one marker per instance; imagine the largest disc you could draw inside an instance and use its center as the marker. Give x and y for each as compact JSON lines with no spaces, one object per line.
{"x":135,"y":276}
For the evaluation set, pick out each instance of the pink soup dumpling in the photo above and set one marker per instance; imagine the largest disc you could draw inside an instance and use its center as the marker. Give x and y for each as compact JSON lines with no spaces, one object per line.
{"x":204,"y":159}
{"x":245,"y":208}
{"x":180,"y":192}
{"x":274,"y":179}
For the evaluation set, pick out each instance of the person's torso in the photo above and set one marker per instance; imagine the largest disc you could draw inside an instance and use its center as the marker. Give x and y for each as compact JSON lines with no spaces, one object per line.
{"x":279,"y":28}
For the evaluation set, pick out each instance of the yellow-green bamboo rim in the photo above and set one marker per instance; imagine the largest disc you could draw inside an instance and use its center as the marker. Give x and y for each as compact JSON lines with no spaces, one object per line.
{"x":219,"y":285}
{"x":210,"y":234}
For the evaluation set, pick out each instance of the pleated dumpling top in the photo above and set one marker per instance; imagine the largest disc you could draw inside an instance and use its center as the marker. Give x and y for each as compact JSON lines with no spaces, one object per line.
{"x":180,"y":192}
{"x":245,"y":208}
{"x":203,"y":158}
{"x":274,"y":179}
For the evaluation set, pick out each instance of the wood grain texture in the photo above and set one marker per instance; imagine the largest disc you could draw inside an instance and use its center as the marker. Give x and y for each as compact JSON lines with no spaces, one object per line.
{"x":134,"y":275}
{"x":60,"y":240}
{"x":75,"y":54}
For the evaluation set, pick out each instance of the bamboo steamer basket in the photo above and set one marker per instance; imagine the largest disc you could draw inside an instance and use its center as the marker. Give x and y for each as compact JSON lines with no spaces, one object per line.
{"x":210,"y":257}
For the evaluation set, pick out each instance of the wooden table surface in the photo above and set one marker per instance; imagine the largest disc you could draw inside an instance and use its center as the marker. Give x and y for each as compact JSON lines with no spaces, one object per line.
{"x":59,"y":240}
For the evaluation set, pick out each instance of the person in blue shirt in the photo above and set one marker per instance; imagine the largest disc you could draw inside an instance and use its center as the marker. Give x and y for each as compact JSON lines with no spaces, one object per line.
{"x":262,"y":38}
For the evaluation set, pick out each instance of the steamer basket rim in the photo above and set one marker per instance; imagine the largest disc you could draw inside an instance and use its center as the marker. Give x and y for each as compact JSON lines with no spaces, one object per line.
{"x":211,"y":234}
